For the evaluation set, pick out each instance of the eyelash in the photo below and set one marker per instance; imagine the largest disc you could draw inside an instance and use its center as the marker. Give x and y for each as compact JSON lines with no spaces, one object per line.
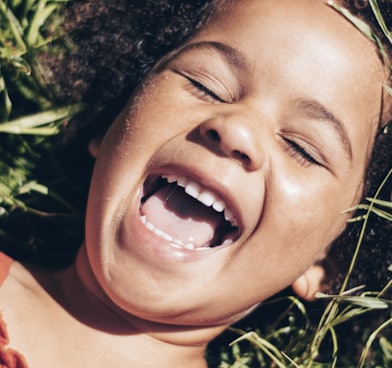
{"x":202,"y":92}
{"x":300,"y":154}
{"x":294,"y":149}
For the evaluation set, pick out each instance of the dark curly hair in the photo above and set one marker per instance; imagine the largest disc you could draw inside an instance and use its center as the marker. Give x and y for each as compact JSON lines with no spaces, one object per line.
{"x":116,"y":44}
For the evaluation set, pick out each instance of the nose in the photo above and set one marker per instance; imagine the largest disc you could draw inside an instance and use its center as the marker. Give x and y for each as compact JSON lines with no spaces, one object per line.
{"x":233,"y":137}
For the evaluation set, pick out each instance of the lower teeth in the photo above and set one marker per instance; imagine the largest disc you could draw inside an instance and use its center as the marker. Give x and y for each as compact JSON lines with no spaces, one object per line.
{"x":163,"y":235}
{"x":176,"y":242}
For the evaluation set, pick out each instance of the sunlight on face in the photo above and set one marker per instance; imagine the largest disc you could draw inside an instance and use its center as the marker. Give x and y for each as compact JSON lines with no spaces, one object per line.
{"x":228,"y":170}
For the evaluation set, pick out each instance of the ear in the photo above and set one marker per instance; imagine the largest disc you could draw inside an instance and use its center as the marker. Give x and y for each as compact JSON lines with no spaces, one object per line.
{"x":93,"y":147}
{"x":309,"y":283}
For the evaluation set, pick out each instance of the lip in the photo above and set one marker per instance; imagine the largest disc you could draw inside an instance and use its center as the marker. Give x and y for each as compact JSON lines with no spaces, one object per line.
{"x":155,"y":250}
{"x":135,"y":236}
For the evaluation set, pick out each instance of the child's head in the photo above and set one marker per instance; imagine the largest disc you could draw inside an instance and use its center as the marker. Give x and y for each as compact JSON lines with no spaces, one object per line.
{"x":269,"y":111}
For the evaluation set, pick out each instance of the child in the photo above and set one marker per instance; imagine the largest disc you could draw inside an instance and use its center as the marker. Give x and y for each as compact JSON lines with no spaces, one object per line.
{"x":227,"y":170}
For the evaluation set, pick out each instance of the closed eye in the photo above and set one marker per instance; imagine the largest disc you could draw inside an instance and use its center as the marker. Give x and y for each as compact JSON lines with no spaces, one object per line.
{"x":302,"y":155}
{"x":202,"y":92}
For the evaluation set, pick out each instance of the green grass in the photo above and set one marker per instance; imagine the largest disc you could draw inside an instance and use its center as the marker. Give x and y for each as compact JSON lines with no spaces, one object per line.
{"x":283,"y":332}
{"x":29,"y":111}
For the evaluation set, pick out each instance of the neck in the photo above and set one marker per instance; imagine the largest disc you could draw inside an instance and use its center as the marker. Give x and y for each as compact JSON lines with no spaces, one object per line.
{"x":79,"y":293}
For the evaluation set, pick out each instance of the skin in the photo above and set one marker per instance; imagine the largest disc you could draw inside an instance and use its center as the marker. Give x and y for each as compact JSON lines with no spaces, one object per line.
{"x":313,"y":82}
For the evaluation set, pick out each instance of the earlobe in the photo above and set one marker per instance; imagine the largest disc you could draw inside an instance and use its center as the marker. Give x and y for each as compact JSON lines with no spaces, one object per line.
{"x":93,"y":147}
{"x":309,"y":283}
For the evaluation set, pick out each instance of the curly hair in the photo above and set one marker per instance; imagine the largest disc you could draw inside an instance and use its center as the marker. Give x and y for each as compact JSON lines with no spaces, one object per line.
{"x":116,"y":45}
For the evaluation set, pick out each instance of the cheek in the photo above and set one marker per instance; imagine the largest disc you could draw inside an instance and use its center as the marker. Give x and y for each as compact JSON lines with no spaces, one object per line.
{"x":148,"y":121}
{"x":294,"y":232}
{"x":308,"y":212}
{"x":158,"y":110}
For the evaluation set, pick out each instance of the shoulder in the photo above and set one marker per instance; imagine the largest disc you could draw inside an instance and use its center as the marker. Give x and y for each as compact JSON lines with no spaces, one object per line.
{"x":16,"y":282}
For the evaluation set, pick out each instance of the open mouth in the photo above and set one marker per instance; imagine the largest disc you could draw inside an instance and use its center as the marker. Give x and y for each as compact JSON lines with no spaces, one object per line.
{"x":187,"y":214}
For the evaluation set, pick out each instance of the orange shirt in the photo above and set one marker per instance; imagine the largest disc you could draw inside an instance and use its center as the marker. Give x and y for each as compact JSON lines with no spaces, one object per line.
{"x":9,"y":358}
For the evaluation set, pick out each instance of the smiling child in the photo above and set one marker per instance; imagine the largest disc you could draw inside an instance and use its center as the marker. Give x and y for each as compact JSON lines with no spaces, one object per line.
{"x":228,"y":169}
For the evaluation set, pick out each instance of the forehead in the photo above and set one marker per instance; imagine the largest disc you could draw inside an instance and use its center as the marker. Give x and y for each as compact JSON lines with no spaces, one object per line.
{"x":297,"y":18}
{"x":303,"y":36}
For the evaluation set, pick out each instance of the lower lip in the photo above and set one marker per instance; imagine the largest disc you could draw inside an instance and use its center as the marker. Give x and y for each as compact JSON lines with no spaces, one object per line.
{"x":145,"y":244}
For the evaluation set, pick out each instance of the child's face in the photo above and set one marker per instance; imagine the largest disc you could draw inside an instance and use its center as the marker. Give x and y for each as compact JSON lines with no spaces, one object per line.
{"x":272,"y":109}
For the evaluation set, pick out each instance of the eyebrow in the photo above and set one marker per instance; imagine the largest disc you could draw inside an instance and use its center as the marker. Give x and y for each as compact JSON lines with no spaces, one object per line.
{"x":311,"y":107}
{"x":315,"y":110}
{"x":233,"y":56}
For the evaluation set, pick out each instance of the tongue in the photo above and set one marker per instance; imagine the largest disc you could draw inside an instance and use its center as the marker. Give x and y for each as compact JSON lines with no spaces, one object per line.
{"x":184,"y":218}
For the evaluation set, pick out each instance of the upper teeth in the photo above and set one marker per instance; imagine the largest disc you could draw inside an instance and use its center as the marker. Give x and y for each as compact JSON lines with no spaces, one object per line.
{"x":203,"y":195}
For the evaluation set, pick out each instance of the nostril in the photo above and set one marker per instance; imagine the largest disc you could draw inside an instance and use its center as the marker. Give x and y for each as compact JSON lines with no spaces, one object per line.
{"x":242,"y":157}
{"x":232,"y":136}
{"x":213,"y":135}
